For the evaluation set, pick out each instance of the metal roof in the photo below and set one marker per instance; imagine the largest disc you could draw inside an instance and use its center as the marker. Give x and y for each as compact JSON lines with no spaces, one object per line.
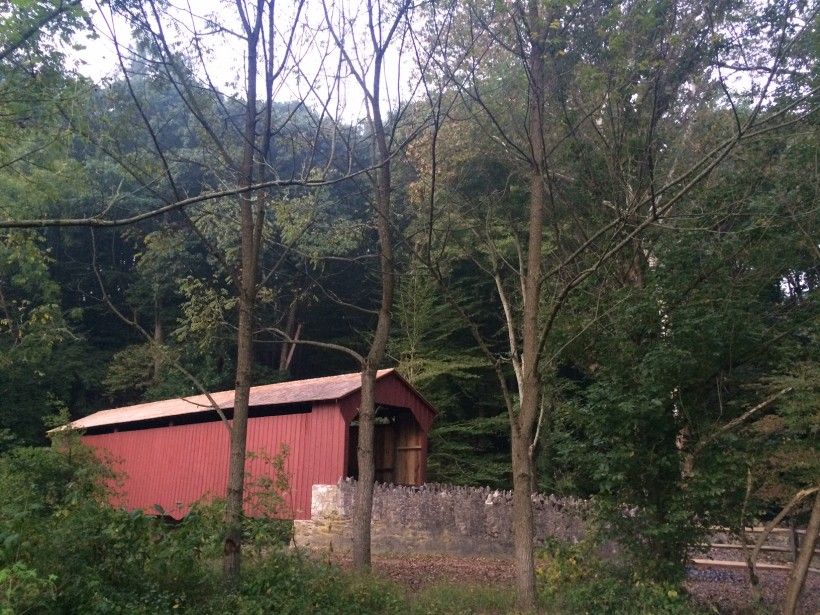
{"x":294,"y":392}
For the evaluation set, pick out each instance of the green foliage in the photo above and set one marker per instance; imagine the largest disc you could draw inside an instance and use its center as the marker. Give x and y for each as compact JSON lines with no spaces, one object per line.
{"x":159,"y":265}
{"x":437,"y":355}
{"x":316,"y":224}
{"x":134,"y":369}
{"x":263,"y":493}
{"x":788,"y":447}
{"x":33,"y":29}
{"x":31,"y":322}
{"x":290,"y":585}
{"x":432,"y":348}
{"x":632,"y":465}
{"x":204,"y":313}
{"x":706,"y":313}
{"x":572,"y":579}
{"x":474,"y":452}
{"x":40,"y":354}
{"x":718,"y":322}
{"x":467,"y":599}
{"x":64,"y":550}
{"x":23,"y":587}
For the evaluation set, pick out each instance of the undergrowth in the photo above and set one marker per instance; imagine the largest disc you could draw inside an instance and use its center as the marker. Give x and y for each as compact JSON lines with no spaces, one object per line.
{"x":574,"y":579}
{"x":63,"y":549}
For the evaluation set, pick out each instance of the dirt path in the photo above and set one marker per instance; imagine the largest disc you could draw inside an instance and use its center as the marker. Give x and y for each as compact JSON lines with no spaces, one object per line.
{"x":729,"y":591}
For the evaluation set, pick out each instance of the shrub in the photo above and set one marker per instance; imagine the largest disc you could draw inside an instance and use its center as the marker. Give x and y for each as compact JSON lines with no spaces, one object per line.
{"x":572,"y":579}
{"x":63,"y":549}
{"x":23,"y":586}
{"x":287,"y":584}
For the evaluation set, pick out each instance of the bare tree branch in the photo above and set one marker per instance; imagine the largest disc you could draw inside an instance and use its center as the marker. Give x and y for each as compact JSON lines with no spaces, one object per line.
{"x":156,"y":347}
{"x":201,"y":198}
{"x":326,"y":345}
{"x":729,"y":426}
{"x":767,"y":530}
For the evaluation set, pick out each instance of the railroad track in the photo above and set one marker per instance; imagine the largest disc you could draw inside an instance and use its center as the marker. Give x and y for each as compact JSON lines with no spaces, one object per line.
{"x":781,"y":549}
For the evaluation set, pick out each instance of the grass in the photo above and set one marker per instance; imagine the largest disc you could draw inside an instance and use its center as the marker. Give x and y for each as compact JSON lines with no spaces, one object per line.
{"x":450,"y":599}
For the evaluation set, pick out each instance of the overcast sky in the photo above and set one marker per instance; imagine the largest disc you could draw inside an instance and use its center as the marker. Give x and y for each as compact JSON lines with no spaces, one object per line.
{"x":308,"y":77}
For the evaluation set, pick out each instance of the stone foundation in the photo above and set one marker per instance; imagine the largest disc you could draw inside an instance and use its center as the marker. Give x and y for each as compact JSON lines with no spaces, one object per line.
{"x":441,"y":519}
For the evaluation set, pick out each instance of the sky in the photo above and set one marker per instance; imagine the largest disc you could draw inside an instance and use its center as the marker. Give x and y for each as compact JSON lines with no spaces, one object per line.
{"x":310,"y":76}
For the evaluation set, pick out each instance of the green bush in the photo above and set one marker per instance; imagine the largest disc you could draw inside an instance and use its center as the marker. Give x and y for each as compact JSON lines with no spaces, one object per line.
{"x":573,"y":579}
{"x":63,"y":549}
{"x":20,"y":585}
{"x":287,"y":584}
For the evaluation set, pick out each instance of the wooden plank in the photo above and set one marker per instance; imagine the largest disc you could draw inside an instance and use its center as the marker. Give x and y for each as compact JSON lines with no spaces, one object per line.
{"x":409,"y":449}
{"x":725,"y":563}
{"x":758,"y":530}
{"x":733,"y":545}
{"x":352,"y":452}
{"x":794,"y":540}
{"x":387,"y":461}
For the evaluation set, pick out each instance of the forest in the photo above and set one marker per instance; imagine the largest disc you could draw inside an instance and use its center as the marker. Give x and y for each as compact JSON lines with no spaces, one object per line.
{"x":585,"y":230}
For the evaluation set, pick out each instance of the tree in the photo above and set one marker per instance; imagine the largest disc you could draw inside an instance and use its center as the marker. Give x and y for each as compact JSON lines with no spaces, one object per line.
{"x":32,"y":28}
{"x":614,"y":88}
{"x":579,"y":198}
{"x":248,"y":165}
{"x":367,"y":68}
{"x":38,"y":331}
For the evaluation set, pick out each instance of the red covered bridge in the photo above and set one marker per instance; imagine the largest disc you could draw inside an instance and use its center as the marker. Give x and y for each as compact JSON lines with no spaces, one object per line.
{"x":174,"y":452}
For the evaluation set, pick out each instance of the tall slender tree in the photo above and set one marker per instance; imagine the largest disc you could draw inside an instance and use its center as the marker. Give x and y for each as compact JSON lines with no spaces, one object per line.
{"x":380,"y":26}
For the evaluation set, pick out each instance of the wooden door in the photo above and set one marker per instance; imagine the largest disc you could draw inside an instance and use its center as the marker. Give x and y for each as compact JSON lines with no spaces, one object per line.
{"x":408,"y":450}
{"x":384,"y":452}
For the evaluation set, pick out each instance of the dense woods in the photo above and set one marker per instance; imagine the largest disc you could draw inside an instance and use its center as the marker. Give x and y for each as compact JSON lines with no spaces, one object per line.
{"x":586,"y":231}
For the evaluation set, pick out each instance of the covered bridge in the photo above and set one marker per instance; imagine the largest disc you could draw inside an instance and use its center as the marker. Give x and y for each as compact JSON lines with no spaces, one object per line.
{"x":174,"y":452}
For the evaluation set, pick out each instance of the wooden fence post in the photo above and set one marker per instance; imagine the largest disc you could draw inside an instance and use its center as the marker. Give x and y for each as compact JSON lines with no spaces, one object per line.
{"x":794,"y":540}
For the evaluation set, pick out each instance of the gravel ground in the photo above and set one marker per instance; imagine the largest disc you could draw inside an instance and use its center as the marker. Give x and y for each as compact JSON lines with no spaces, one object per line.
{"x":730,"y":590}
{"x":727,"y":590}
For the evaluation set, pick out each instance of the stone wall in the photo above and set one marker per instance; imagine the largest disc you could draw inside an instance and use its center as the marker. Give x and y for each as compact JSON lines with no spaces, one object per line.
{"x":435,"y":519}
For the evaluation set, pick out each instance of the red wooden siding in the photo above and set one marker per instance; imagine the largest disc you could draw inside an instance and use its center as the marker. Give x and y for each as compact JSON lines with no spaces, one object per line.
{"x":176,"y":466}
{"x":392,"y":390}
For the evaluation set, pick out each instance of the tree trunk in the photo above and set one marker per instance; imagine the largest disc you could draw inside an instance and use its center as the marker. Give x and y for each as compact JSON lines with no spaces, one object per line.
{"x":367,"y":472}
{"x":367,"y":407}
{"x":797,"y":576}
{"x":524,"y":425}
{"x":378,"y":346}
{"x":523,"y":526}
{"x":286,"y":348}
{"x":239,"y":436}
{"x":244,"y":352}
{"x":367,"y":411}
